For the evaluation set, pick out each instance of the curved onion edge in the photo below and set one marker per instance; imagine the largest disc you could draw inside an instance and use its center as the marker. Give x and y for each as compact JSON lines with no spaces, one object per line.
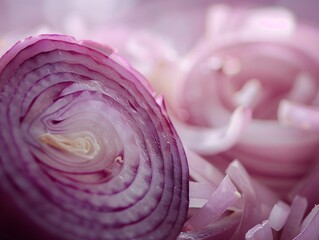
{"x":180,"y":170}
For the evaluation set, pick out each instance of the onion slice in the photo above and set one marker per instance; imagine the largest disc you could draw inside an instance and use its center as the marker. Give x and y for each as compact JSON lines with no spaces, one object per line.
{"x":298,"y":115}
{"x":224,"y":197}
{"x":204,"y":140}
{"x":260,"y":232}
{"x":86,"y":151}
{"x":297,"y":212}
{"x":309,"y":227}
{"x":278,"y":215}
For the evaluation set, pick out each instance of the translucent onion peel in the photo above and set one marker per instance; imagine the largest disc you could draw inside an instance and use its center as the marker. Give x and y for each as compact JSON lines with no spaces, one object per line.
{"x":86,"y":151}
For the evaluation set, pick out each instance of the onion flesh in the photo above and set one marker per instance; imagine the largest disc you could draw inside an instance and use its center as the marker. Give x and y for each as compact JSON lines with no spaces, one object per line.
{"x":86,"y":151}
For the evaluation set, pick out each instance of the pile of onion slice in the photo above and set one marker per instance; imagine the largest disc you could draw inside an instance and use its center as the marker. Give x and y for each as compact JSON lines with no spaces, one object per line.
{"x":246,"y":91}
{"x":86,"y":150}
{"x":236,"y":206}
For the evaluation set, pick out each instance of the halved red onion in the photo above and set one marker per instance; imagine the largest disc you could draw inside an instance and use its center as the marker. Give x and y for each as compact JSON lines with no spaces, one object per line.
{"x":86,"y":151}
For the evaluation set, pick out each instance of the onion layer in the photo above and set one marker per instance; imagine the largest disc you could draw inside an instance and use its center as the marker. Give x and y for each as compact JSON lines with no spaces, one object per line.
{"x":86,"y":151}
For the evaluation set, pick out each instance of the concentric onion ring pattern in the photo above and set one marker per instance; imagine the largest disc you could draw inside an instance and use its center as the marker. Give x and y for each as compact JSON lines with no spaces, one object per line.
{"x":86,"y":150}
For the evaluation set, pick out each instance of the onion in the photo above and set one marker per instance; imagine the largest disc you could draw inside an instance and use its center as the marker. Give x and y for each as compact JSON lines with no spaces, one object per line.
{"x":297,"y":212}
{"x":291,"y":218}
{"x":278,"y":215}
{"x":248,"y":90}
{"x":260,"y":232}
{"x":261,"y":60}
{"x":222,"y":198}
{"x":309,"y":227}
{"x":86,"y":150}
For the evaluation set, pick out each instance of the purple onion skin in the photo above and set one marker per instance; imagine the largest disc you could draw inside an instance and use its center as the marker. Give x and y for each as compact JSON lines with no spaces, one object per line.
{"x":86,"y":150}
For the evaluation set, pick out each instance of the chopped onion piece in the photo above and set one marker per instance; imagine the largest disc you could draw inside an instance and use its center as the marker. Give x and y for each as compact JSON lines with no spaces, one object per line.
{"x":213,"y":141}
{"x":252,"y":208}
{"x":298,"y":115}
{"x":296,"y":215}
{"x":201,"y":170}
{"x":278,"y":215}
{"x":260,"y":232}
{"x":224,"y":197}
{"x":306,"y":187}
{"x":309,"y":227}
{"x":304,"y":89}
{"x":201,"y":190}
{"x":248,"y":95}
